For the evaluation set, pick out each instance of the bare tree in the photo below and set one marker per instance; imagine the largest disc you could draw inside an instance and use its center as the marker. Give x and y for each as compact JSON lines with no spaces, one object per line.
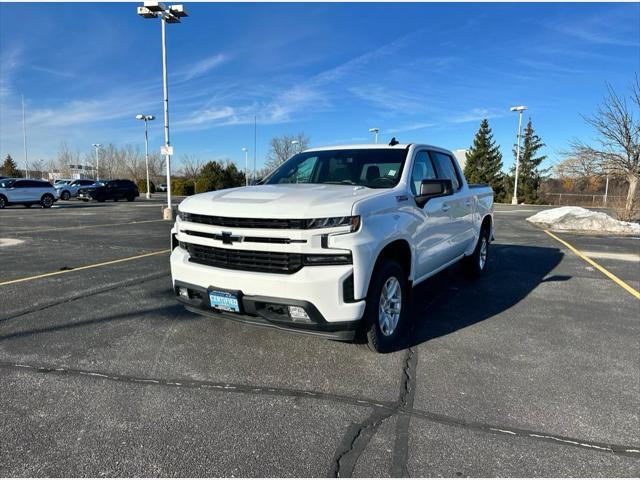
{"x":616,"y":151}
{"x":191,"y":166}
{"x":284,"y":147}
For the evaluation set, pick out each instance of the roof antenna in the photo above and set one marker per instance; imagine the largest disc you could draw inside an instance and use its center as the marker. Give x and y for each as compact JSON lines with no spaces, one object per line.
{"x":393,"y":142}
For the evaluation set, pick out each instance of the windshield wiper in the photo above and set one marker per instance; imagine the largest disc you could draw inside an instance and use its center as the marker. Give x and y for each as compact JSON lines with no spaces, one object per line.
{"x":343,"y":182}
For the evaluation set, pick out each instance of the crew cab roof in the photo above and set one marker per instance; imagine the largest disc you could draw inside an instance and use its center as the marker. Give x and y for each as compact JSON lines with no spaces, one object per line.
{"x":367,"y":146}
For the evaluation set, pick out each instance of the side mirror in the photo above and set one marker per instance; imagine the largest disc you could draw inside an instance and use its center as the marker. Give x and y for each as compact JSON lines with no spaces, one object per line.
{"x":432,"y":189}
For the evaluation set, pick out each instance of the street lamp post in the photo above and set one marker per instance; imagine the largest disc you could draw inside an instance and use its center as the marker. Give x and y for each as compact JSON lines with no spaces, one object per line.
{"x":375,"y":132}
{"x":146,"y":118}
{"x":97,"y":147}
{"x":170,"y":14}
{"x":294,"y":143}
{"x":246,"y":166}
{"x":519,"y":109}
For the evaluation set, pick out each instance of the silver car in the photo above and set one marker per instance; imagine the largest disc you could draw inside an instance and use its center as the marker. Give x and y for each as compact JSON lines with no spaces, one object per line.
{"x":70,"y":190}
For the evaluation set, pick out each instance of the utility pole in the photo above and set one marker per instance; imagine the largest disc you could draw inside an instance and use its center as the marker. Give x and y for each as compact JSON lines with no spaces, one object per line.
{"x":246,"y":166}
{"x":519,"y":109}
{"x":24,"y":139}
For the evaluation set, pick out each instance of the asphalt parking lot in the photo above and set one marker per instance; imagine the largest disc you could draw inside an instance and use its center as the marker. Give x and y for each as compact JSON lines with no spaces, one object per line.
{"x":533,"y":370}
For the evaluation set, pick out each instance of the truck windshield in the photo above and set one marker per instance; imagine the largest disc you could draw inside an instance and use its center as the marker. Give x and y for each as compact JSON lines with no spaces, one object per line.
{"x":373,"y":168}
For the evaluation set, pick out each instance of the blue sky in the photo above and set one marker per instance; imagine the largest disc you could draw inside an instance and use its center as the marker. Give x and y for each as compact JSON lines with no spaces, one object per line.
{"x":421,"y":72}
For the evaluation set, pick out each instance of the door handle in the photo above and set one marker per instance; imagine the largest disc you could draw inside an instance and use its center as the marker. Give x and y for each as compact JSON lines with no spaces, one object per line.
{"x":445,"y":207}
{"x":467,"y":203}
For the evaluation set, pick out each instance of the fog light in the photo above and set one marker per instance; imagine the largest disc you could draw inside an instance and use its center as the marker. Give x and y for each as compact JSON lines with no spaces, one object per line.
{"x":298,"y":312}
{"x":183,"y":292}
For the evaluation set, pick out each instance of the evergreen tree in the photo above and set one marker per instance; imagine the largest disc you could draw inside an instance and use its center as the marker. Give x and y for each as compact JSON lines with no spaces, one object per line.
{"x":530,"y":175}
{"x":484,"y":161}
{"x":10,"y":168}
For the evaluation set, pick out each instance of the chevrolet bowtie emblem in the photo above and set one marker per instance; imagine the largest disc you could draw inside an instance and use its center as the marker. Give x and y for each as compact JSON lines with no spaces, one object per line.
{"x":228,"y":239}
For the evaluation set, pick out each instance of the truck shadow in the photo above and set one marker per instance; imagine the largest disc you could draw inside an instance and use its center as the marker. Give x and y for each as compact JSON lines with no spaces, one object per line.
{"x":450,"y":301}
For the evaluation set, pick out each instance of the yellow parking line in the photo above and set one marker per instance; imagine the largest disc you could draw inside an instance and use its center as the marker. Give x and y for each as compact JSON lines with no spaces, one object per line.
{"x":620,"y":282}
{"x":18,"y":232}
{"x":95,"y":265}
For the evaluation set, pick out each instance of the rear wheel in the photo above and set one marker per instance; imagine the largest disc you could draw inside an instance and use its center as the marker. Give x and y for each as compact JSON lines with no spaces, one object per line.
{"x":65,"y":195}
{"x":476,"y":263}
{"x":131,"y":198}
{"x":384,"y":319}
{"x":3,"y":201}
{"x":47,"y":200}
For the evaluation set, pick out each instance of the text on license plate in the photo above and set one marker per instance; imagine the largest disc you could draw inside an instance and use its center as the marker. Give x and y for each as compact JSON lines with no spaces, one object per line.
{"x":224,"y":301}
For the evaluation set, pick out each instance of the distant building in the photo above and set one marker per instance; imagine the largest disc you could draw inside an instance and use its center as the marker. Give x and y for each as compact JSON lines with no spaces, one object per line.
{"x":461,"y":156}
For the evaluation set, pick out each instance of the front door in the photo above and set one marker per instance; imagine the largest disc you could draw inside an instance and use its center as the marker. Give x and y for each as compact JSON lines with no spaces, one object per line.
{"x":434,"y":220}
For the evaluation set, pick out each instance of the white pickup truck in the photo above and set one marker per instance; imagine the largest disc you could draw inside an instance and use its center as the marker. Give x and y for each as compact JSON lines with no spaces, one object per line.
{"x":332,"y":241}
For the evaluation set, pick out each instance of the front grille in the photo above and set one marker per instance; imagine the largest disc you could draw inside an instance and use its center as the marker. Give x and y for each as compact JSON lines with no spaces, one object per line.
{"x":250,"y":260}
{"x":281,"y":223}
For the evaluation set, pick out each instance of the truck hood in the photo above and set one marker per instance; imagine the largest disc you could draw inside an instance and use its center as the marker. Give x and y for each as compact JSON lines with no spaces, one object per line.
{"x":279,"y":201}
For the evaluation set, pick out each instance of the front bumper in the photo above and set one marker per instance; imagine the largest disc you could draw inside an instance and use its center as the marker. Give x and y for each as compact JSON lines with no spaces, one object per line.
{"x":318,"y":289}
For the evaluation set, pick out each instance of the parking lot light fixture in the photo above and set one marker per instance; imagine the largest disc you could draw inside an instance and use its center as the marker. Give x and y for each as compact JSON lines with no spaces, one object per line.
{"x":246,"y":166}
{"x":146,"y":118}
{"x":375,"y":132}
{"x":97,"y":147}
{"x":519,"y":109}
{"x":167,"y":14}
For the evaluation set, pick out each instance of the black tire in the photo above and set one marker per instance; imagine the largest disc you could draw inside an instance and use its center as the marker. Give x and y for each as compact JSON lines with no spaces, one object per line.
{"x":27,"y":205}
{"x":47,"y":200}
{"x":65,"y":195}
{"x":3,"y":201}
{"x":476,"y":263}
{"x":100,"y":199}
{"x":115,"y":199}
{"x":378,"y":340}
{"x":131,"y":199}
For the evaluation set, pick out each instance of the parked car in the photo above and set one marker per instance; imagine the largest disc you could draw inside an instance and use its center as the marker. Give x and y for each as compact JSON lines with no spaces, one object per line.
{"x":110,"y":190}
{"x":70,"y":190}
{"x":161,"y":188}
{"x":27,"y":192}
{"x":332,"y":242}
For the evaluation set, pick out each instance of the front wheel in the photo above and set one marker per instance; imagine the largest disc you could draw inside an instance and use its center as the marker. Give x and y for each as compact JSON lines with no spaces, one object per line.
{"x":3,"y":202}
{"x":131,"y":199}
{"x":65,"y":195}
{"x":47,"y":201}
{"x":387,"y":303}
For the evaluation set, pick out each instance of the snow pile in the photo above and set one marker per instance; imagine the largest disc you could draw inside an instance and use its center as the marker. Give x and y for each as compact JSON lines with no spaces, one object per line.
{"x":581,"y":219}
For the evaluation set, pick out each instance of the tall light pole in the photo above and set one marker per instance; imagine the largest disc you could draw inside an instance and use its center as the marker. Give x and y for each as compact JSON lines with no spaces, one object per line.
{"x":519,"y":109}
{"x":246,"y":166}
{"x":24,"y":139}
{"x":170,"y":14}
{"x":295,"y":148}
{"x":375,"y":131}
{"x":97,"y":147}
{"x":146,"y":119}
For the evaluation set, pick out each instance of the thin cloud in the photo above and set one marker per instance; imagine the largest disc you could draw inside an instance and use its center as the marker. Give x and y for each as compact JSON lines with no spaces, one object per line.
{"x":477,"y":114}
{"x":203,"y":66}
{"x":409,"y":128}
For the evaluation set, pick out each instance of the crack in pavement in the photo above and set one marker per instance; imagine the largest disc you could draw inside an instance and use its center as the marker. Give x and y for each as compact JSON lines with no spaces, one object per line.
{"x":84,"y":295}
{"x":381,"y":409}
{"x":357,"y":436}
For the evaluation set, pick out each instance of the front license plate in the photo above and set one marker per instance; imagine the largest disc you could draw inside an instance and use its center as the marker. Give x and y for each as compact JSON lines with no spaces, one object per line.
{"x":224,"y":301}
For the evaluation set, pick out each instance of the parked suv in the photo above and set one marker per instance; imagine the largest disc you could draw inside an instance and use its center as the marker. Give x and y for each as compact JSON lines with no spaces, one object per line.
{"x":110,"y":190}
{"x":332,"y":242}
{"x":70,"y":190}
{"x":27,"y":192}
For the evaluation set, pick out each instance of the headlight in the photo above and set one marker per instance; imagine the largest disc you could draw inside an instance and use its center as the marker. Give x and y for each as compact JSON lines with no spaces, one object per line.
{"x":353,"y":222}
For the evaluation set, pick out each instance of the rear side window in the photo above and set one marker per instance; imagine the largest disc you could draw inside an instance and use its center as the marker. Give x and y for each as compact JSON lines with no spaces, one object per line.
{"x":446,"y":169}
{"x":422,"y":170}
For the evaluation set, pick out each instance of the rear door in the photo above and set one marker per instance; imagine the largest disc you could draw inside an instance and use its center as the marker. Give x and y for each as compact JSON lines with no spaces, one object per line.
{"x":459,"y":205}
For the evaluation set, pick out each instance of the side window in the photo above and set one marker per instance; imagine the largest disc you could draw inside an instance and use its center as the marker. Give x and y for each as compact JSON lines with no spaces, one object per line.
{"x":422,"y":170}
{"x":21,"y":184}
{"x":446,"y":168}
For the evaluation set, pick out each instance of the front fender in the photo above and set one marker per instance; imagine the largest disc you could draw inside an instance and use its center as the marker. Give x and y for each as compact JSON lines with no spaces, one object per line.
{"x":377,"y":231}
